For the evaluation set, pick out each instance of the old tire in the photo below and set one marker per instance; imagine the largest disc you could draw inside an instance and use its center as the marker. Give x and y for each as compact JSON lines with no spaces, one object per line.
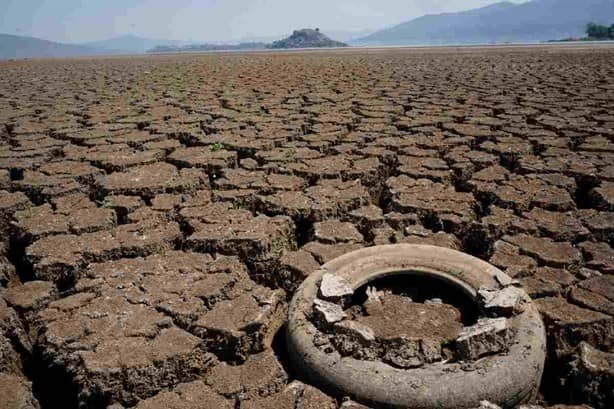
{"x":507,"y":379}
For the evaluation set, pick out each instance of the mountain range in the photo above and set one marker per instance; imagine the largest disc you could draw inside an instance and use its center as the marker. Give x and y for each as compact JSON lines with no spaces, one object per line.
{"x":12,"y":46}
{"x":533,"y":21}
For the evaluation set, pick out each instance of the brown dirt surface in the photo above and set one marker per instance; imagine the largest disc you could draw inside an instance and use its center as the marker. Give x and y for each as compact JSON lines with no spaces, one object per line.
{"x":157,"y":214}
{"x":396,"y":316}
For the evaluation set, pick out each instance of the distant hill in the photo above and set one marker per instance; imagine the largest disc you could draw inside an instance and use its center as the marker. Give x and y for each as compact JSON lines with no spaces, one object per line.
{"x":131,"y":44}
{"x":307,"y":38}
{"x":537,"y":20}
{"x":340,"y":35}
{"x":12,"y":46}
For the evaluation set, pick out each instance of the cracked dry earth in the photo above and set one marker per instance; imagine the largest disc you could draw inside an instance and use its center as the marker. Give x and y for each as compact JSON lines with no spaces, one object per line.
{"x":157,"y":213}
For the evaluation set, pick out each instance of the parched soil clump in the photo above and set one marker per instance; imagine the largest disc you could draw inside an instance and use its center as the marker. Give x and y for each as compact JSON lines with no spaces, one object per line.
{"x":149,"y":180}
{"x":139,"y":325}
{"x":440,"y":322}
{"x":61,"y":258}
{"x":406,"y":334}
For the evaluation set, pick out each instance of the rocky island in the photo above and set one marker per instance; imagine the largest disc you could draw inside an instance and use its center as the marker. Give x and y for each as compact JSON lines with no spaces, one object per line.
{"x":304,"y":38}
{"x":307,"y":38}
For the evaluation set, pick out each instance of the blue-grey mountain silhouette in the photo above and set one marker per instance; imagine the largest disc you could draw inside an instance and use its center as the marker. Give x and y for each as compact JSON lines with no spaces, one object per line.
{"x":537,"y":20}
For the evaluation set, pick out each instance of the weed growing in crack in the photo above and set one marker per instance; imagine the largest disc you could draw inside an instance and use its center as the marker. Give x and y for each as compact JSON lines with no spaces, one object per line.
{"x":217,"y":147}
{"x":106,"y":203}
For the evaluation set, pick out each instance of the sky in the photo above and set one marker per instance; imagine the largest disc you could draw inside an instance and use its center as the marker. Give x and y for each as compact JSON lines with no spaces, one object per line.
{"x":209,"y":20}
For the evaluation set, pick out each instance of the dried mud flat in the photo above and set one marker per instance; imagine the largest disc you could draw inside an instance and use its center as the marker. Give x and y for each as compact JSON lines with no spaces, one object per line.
{"x":157,"y":213}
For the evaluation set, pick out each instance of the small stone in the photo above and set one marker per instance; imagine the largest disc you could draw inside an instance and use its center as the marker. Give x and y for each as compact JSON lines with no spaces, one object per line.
{"x":587,"y":273}
{"x":373,"y":295}
{"x":504,"y":302}
{"x":334,"y":288}
{"x":505,"y":280}
{"x":488,"y":405}
{"x":327,"y":312}
{"x":488,"y":336}
{"x":358,"y":331}
{"x":350,"y":404}
{"x":434,"y":301}
{"x":374,"y":300}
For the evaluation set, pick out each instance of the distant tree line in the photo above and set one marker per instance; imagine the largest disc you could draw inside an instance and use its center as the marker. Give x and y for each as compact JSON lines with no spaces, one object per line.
{"x":209,"y":47}
{"x":599,"y":32}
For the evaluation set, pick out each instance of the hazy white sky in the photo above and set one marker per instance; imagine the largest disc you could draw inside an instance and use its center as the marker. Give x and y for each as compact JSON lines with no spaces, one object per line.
{"x":208,"y":20}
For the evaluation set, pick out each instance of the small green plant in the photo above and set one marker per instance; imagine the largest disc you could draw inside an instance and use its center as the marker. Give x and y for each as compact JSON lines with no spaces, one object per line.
{"x":216,"y":147}
{"x":106,"y":203}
